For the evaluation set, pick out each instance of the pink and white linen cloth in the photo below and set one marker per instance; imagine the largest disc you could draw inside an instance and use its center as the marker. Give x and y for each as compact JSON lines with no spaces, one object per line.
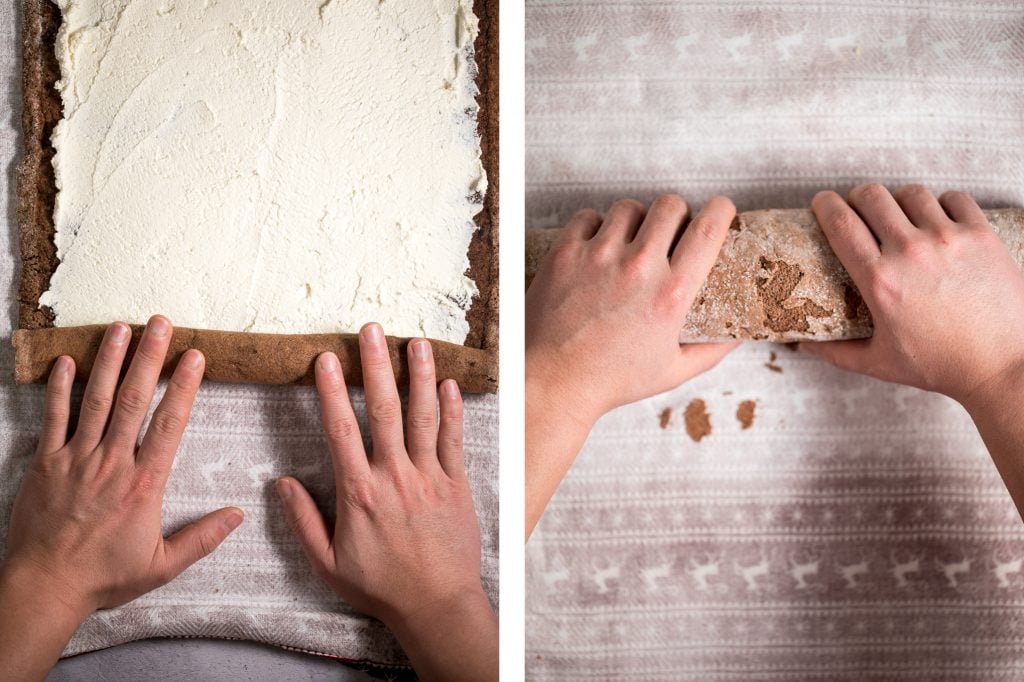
{"x":857,"y":530}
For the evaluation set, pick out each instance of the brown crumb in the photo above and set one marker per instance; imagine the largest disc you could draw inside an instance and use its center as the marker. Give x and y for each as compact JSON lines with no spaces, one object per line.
{"x":698,"y":424}
{"x":745,"y":413}
{"x":666,"y":418}
{"x":726,"y":392}
{"x":772,"y":357}
{"x":782,"y":312}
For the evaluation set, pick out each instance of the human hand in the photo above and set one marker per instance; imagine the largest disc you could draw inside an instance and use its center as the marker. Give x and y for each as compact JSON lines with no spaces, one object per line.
{"x":946,"y":298}
{"x":604,"y":312}
{"x":85,"y":528}
{"x":405,"y":547}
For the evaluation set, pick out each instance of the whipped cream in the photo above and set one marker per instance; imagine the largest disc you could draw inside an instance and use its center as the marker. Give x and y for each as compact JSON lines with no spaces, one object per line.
{"x":290,"y":166}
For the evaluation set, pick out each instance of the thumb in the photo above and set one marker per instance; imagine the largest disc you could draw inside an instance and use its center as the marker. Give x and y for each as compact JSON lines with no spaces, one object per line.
{"x":697,"y":358}
{"x":198,"y":539}
{"x":849,"y":355}
{"x":306,"y":522}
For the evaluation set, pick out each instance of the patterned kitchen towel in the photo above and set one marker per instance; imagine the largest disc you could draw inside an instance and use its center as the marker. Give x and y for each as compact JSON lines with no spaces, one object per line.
{"x":257,"y":586}
{"x":827,"y":525}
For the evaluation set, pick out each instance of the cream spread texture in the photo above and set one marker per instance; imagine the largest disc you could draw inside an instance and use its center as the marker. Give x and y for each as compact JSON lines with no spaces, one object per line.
{"x":287,"y":166}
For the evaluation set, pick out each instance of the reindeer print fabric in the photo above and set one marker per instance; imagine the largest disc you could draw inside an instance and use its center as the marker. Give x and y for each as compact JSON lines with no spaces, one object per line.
{"x":854,"y":529}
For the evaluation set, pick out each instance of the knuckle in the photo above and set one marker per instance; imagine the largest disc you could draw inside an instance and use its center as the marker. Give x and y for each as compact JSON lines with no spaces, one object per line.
{"x":55,"y":417}
{"x":175,"y":383}
{"x":562,"y":252}
{"x":672,"y":293}
{"x":870,"y":193}
{"x":704,"y":229}
{"x":952,"y":194}
{"x":386,"y":412}
{"x":359,"y":494}
{"x":132,"y":399}
{"x":586,"y":215}
{"x":149,"y":353}
{"x":627,"y":206}
{"x":144,"y":484}
{"x":670,"y":202}
{"x":206,"y":543}
{"x":911,"y":247}
{"x":604,"y":252}
{"x":377,"y":360}
{"x":452,"y":442}
{"x":166,"y":424}
{"x":824,"y":195}
{"x":96,"y":403}
{"x":421,"y":421}
{"x":841,"y":221}
{"x":636,"y":266}
{"x":913,"y":191}
{"x":881,"y":282}
{"x":341,"y":428}
{"x":298,"y":522}
{"x":53,"y":392}
{"x":452,"y":437}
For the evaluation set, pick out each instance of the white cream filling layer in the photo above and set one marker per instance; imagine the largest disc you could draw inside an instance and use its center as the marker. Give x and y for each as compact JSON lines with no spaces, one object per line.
{"x":267,"y":165}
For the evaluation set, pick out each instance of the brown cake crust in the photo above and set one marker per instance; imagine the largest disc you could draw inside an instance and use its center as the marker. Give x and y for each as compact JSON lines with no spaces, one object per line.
{"x":232,"y":356}
{"x":249,"y":358}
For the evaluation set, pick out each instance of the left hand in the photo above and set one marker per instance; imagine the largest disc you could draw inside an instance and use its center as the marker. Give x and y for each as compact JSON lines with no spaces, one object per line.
{"x":86,"y":520}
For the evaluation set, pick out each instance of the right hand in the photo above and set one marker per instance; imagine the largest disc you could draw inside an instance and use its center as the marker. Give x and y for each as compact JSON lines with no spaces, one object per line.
{"x":604,"y":312}
{"x":946,"y":298}
{"x":406,"y":540}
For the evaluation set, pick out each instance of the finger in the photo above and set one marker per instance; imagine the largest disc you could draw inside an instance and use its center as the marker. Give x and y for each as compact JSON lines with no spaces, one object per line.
{"x":136,"y":392}
{"x":850,"y":239}
{"x":922,"y":208}
{"x":697,"y":358}
{"x":57,"y":406}
{"x":663,"y":222}
{"x":962,"y":208}
{"x":852,"y":356}
{"x":197,"y":540}
{"x":583,"y":225}
{"x":621,"y":222}
{"x":383,"y":407}
{"x":306,"y":522}
{"x":99,"y":391}
{"x":882,"y":215}
{"x":449,"y":436}
{"x":341,"y":429}
{"x":170,"y":417}
{"x":421,"y":423}
{"x":698,"y":248}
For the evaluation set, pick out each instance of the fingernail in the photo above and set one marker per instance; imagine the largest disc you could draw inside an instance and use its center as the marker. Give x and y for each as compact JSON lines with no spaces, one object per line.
{"x":374,"y":333}
{"x":233,"y":521}
{"x":63,"y":364}
{"x":328,"y":362}
{"x":284,"y":488}
{"x":119,"y":332}
{"x":420,"y":349}
{"x":158,"y":327}
{"x":192,"y":358}
{"x":450,"y":388}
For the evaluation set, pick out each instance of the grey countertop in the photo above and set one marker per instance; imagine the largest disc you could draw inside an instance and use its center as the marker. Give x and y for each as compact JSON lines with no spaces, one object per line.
{"x":198,"y":660}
